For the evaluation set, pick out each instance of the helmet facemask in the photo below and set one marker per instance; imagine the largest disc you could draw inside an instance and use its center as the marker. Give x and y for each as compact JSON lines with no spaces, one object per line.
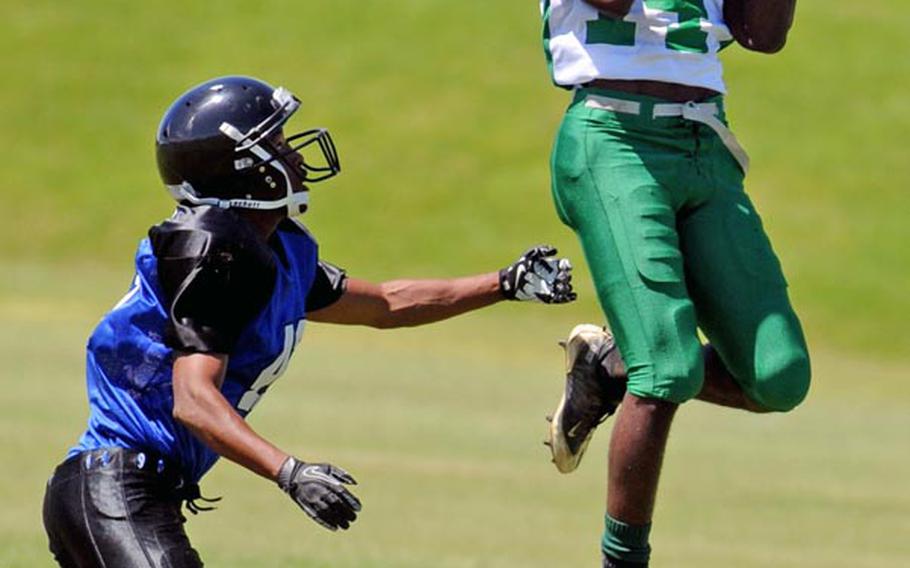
{"x":259,"y":150}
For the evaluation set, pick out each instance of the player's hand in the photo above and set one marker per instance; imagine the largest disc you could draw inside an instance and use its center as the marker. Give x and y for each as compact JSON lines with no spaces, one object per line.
{"x":319,"y":489}
{"x":538,"y":276}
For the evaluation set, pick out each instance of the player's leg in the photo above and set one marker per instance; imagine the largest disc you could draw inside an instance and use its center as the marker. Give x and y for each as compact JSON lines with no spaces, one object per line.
{"x":101,"y":510}
{"x":635,"y":461}
{"x":744,"y":349}
{"x":758,"y":359}
{"x":626,"y":222}
{"x":605,"y":188}
{"x":68,"y":538}
{"x":720,"y":386}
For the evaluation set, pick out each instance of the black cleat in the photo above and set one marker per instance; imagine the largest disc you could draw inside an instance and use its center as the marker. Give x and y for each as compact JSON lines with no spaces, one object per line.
{"x":590,"y":395}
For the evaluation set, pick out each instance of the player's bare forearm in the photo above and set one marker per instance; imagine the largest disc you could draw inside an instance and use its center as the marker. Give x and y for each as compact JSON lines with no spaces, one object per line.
{"x":537,"y":275}
{"x":614,"y":8}
{"x":200,"y":406}
{"x":406,"y":303}
{"x":760,"y":25}
{"x":418,"y":302}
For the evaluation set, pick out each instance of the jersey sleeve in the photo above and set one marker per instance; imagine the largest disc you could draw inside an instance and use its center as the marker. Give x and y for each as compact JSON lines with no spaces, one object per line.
{"x":329,"y":285}
{"x":213,"y":286}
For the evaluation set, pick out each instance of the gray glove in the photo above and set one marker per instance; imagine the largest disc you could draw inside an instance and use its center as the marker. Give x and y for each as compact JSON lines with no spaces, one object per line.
{"x":319,"y":490}
{"x":538,"y":276}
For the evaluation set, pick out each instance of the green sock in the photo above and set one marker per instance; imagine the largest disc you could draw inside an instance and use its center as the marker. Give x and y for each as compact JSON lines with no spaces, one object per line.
{"x":626,"y":542}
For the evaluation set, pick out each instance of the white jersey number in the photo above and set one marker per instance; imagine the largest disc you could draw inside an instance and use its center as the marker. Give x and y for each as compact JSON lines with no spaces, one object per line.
{"x":292,"y":335}
{"x":684,"y":35}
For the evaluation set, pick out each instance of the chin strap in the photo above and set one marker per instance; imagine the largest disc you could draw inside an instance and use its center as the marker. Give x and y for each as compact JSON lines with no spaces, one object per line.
{"x":293,"y":200}
{"x":296,"y":204}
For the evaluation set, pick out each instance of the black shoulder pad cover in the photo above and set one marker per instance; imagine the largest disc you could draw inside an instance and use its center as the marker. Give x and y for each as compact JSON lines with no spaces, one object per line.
{"x":216,"y":274}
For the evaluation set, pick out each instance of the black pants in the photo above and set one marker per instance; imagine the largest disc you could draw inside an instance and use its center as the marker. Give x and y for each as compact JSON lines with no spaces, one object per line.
{"x":117,"y":508}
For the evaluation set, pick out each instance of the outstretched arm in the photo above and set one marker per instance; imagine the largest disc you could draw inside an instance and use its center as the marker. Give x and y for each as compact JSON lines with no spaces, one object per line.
{"x":536,"y":276}
{"x":760,"y":25}
{"x":405,"y":303}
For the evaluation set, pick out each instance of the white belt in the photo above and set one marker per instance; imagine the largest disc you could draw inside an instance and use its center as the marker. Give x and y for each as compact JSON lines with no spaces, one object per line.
{"x":705,"y":113}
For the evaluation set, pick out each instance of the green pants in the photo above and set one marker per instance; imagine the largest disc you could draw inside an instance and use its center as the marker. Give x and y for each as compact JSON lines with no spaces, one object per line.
{"x":675,"y":244}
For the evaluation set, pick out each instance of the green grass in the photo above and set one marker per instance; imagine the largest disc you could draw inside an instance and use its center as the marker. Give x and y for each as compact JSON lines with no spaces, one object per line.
{"x":444,"y":116}
{"x":442,"y":427}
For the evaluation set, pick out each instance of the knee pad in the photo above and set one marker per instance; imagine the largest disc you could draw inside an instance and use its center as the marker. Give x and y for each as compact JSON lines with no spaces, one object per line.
{"x":686,"y":387}
{"x":675,"y":379}
{"x":782,"y":380}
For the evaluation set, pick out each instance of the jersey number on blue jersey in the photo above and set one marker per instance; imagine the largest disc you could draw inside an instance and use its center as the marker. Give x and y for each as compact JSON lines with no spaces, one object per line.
{"x":685,"y":35}
{"x":292,"y":335}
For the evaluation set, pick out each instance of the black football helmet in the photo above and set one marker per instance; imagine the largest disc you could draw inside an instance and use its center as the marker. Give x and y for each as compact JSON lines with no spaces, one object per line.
{"x":222,"y":143}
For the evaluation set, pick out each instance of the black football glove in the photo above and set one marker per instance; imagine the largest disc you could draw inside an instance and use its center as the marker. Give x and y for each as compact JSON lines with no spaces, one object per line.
{"x":319,"y":490}
{"x":538,"y":276}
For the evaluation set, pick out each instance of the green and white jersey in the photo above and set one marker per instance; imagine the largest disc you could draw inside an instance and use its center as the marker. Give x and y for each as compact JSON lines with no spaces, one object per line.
{"x":673,"y":41}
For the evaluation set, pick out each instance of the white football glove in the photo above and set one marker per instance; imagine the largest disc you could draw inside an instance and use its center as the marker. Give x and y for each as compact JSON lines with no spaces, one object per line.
{"x":538,"y":276}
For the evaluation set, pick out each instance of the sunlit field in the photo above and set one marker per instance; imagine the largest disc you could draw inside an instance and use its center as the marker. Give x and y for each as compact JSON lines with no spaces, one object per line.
{"x":443,"y":115}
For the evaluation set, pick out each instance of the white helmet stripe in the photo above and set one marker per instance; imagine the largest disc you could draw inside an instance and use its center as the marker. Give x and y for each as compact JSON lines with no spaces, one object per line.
{"x":293,"y":204}
{"x":231,"y":131}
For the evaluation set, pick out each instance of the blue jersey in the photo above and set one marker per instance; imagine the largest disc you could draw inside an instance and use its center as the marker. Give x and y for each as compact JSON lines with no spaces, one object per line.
{"x":131,"y":352}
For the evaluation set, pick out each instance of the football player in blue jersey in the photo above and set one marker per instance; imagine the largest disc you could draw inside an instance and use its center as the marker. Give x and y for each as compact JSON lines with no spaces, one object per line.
{"x":219,"y":300}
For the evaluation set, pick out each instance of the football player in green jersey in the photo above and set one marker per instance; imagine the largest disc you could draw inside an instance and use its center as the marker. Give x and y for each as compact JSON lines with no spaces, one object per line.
{"x":647,"y":173}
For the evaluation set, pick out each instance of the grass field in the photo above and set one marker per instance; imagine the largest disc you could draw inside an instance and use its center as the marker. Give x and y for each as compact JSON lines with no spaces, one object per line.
{"x":443,"y":429}
{"x":444,"y":116}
